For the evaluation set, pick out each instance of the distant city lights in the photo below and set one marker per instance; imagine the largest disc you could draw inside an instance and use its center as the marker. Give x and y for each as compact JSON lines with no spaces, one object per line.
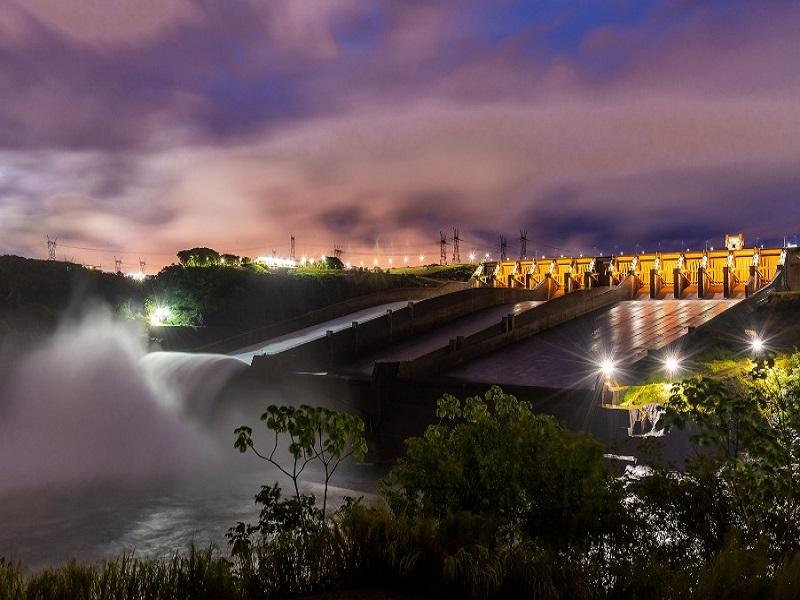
{"x":274,"y":261}
{"x":138,"y":276}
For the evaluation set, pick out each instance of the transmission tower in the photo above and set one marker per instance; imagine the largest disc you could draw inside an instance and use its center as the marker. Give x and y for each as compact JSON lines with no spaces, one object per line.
{"x":523,"y":244}
{"x":51,"y":248}
{"x":442,"y":248}
{"x":142,"y":265}
{"x":291,"y":247}
{"x":503,"y":248}
{"x":337,"y":251}
{"x":456,"y":253}
{"x":117,"y":265}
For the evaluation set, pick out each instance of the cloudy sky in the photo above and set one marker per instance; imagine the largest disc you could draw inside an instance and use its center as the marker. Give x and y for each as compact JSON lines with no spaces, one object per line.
{"x":145,"y":126}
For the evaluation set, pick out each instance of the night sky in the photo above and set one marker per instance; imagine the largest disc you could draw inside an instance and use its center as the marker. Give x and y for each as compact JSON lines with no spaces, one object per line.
{"x":147,"y":126}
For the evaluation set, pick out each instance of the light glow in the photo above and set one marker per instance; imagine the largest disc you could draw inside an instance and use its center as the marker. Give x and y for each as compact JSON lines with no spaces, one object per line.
{"x":159,"y":315}
{"x":672,"y":365}
{"x":274,"y":261}
{"x":757,"y":345}
{"x":607,"y":367}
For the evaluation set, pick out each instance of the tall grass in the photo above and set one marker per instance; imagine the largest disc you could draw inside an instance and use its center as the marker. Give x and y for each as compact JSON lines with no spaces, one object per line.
{"x":452,"y":557}
{"x":197,"y":575}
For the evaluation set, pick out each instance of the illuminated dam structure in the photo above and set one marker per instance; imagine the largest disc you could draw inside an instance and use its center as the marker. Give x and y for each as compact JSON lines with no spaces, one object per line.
{"x":728,"y":273}
{"x":545,"y":329}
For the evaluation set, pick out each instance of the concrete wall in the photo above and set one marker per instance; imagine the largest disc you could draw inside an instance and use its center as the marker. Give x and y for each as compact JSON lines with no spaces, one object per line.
{"x":362,"y":338}
{"x":792,"y":270}
{"x":510,"y":330}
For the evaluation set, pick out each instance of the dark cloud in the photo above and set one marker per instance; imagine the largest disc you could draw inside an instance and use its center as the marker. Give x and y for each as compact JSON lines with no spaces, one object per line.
{"x":588,"y":124}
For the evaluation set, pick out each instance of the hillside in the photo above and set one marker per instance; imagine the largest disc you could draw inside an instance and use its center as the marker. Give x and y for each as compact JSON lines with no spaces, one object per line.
{"x":36,"y":294}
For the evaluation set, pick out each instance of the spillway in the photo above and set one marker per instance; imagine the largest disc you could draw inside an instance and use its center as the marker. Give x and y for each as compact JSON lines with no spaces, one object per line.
{"x":307,"y":334}
{"x":566,"y":356}
{"x":437,"y":337}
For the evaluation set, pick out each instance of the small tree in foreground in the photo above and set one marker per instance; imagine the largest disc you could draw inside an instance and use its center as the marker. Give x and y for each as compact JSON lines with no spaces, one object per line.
{"x":314,"y":433}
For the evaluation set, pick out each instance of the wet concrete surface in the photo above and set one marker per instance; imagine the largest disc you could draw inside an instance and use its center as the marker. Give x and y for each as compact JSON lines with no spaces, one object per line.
{"x":301,"y":336}
{"x":567,"y":356}
{"x":439,"y":337}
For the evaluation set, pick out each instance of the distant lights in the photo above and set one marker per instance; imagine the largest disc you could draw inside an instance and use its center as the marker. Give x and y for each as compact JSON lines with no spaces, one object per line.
{"x":375,"y":262}
{"x":274,"y":261}
{"x":756,"y":345}
{"x":405,"y":260}
{"x":471,"y":256}
{"x":421,"y":257}
{"x":138,"y":276}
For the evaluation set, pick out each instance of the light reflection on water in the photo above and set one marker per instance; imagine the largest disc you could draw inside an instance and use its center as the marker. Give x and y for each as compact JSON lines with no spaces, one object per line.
{"x":92,"y":522}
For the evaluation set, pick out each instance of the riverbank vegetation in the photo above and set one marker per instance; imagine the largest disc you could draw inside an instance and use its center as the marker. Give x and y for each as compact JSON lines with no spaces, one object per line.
{"x":495,"y":501}
{"x":35,"y":295}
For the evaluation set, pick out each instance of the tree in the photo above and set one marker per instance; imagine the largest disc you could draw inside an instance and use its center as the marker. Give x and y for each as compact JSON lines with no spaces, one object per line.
{"x":230,"y":260}
{"x":493,"y":457}
{"x":750,"y":427}
{"x":331,"y":262}
{"x":315,"y":434}
{"x":199,"y":257}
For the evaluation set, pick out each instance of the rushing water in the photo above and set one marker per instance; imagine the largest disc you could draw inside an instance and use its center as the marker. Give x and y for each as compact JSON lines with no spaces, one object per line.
{"x":106,"y":448}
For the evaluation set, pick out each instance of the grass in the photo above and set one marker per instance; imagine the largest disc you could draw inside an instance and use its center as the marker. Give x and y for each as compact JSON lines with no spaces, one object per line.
{"x":198,"y":575}
{"x":637,"y":396}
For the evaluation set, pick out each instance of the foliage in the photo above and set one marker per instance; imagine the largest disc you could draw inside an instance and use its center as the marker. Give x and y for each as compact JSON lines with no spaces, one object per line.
{"x":294,"y":548}
{"x":315,"y":433}
{"x":199,"y":257}
{"x":493,"y":457}
{"x":331,"y":262}
{"x":751,"y":427}
{"x":641,"y":395}
{"x":198,"y":575}
{"x":230,"y":260}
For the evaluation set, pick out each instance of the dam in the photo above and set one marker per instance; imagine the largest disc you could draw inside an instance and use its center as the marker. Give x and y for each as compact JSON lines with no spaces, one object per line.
{"x":540,"y":328}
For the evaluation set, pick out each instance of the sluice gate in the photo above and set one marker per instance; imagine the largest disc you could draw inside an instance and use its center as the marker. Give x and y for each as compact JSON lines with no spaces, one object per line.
{"x":726,"y":273}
